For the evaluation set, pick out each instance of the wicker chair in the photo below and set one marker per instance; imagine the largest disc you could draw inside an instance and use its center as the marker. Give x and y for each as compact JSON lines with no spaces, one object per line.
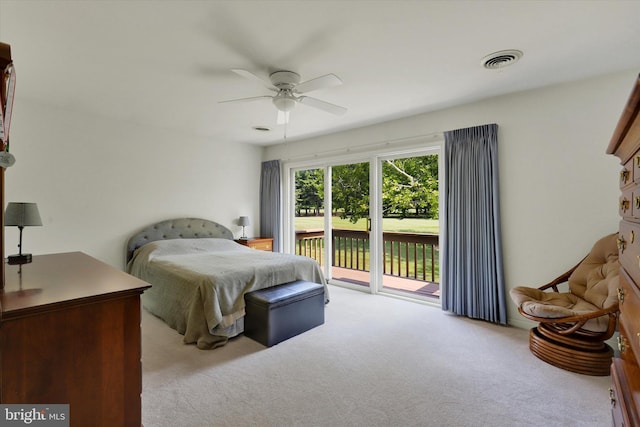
{"x":574,"y":325}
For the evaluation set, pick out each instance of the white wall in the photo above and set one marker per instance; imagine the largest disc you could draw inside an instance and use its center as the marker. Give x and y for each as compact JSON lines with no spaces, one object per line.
{"x":558,"y":187}
{"x":96,"y":181}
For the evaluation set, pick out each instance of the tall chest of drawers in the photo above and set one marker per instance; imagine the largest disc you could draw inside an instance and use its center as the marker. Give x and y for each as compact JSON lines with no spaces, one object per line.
{"x":625,"y":371}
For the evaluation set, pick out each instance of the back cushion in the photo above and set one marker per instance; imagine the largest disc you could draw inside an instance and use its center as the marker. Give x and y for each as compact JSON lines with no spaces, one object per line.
{"x":602,"y":285}
{"x":597,"y":274}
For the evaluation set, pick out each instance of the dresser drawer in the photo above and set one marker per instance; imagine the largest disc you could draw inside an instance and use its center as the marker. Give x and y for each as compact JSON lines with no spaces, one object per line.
{"x":635,"y":203}
{"x":629,"y":297}
{"x":615,"y":396}
{"x":624,"y":393}
{"x":625,"y":203}
{"x":634,"y":165}
{"x":627,"y":173}
{"x":629,"y":249}
{"x":259,"y":243}
{"x":626,"y":344}
{"x":630,"y":171}
{"x":263,"y":245}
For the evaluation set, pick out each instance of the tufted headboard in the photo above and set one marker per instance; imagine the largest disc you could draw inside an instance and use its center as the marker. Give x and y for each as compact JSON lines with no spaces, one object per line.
{"x":179,"y":228}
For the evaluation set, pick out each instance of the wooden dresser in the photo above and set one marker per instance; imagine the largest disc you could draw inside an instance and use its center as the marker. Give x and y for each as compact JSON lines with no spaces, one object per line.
{"x":625,"y":371}
{"x":70,"y":334}
{"x":260,"y":243}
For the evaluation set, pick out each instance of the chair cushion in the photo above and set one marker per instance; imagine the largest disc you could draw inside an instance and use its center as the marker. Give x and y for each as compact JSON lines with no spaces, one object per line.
{"x":555,"y":305}
{"x":551,"y":305}
{"x":596,"y":278}
{"x":602,"y":285}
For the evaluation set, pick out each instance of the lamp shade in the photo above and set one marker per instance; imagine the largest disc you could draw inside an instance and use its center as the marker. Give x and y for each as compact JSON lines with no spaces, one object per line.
{"x":243,"y":221}
{"x":22,"y":214}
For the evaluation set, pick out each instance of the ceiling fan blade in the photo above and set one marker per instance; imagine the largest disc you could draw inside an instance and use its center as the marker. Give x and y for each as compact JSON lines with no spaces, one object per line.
{"x":328,"y":80}
{"x":283,"y":117}
{"x":249,"y":75}
{"x":253,"y":98}
{"x":322,"y":105}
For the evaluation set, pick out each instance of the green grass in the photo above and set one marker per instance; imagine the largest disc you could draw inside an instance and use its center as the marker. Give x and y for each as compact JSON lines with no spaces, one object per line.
{"x":394,"y":225}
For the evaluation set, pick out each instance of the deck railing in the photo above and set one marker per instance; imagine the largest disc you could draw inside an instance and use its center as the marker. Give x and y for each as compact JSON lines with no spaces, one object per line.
{"x":410,"y":255}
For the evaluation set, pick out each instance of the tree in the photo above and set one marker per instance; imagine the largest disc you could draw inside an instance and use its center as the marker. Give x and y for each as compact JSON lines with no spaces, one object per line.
{"x":350,"y":191}
{"x":410,"y":187}
{"x":309,"y":191}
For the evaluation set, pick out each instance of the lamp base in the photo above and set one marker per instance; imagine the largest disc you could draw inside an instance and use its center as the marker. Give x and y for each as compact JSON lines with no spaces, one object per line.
{"x":19,"y":259}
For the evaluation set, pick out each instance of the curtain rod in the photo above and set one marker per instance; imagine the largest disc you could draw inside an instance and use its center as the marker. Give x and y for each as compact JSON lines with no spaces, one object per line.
{"x":358,"y":148}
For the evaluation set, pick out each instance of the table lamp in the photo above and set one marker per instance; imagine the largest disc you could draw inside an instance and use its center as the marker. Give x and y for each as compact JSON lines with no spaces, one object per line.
{"x":21,"y":215}
{"x":244,"y":221}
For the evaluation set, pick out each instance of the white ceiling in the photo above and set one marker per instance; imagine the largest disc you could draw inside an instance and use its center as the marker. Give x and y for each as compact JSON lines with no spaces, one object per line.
{"x":167,"y":63}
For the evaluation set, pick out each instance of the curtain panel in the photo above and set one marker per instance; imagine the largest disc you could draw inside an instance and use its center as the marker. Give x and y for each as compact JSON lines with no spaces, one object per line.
{"x":270,"y":202}
{"x":472,"y":279}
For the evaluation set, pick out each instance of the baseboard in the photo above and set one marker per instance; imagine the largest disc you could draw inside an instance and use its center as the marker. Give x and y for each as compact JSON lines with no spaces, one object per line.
{"x":522,"y":323}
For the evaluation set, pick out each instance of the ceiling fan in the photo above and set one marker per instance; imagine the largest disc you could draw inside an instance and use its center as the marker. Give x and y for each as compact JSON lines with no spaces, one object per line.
{"x":288,"y":92}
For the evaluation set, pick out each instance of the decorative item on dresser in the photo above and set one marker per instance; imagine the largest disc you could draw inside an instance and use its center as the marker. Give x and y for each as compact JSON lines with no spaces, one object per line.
{"x":21,"y":215}
{"x":260,"y":243}
{"x":7,"y":92}
{"x":625,"y":373}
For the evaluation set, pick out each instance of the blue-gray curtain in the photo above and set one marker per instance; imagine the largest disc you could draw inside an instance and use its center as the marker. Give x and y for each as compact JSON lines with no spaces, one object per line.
{"x":472,"y":279}
{"x":270,"y":206}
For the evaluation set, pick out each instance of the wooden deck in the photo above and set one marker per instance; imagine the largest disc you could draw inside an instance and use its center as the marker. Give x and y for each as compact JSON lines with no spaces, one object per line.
{"x":410,"y":286}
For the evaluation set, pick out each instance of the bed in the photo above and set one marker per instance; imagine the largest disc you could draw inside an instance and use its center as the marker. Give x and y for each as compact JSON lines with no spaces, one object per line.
{"x":199,"y":276}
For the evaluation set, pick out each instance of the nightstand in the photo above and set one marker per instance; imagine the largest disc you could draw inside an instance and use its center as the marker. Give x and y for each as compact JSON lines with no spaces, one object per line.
{"x":260,"y":243}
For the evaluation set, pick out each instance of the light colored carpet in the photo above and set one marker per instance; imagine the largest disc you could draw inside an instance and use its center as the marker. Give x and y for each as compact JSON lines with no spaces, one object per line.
{"x":377,"y":361}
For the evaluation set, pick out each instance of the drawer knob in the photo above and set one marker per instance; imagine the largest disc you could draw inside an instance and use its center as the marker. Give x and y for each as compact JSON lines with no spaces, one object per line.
{"x":624,"y":175}
{"x":621,"y":295}
{"x":622,"y":244}
{"x":622,"y":344}
{"x":632,"y":234}
{"x":612,"y":397}
{"x":624,"y":205}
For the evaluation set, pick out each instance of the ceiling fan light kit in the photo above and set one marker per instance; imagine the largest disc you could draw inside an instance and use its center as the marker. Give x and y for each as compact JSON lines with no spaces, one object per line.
{"x":287,"y":86}
{"x":284,"y":101}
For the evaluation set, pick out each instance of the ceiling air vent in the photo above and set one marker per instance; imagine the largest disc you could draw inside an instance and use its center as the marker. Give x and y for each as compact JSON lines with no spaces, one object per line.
{"x":501,"y":59}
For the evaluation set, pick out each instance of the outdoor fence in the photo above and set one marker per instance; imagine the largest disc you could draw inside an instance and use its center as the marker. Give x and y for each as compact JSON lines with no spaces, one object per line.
{"x":409,"y":255}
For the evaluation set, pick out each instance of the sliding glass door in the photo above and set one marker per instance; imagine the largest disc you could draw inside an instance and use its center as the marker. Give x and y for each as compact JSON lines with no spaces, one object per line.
{"x":309,"y":209}
{"x":331,"y":222}
{"x":410,"y":225}
{"x":350,"y":224}
{"x":372,"y":224}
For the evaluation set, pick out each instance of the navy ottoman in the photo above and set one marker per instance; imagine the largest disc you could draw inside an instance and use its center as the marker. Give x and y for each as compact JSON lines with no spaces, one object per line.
{"x":279,"y":313}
